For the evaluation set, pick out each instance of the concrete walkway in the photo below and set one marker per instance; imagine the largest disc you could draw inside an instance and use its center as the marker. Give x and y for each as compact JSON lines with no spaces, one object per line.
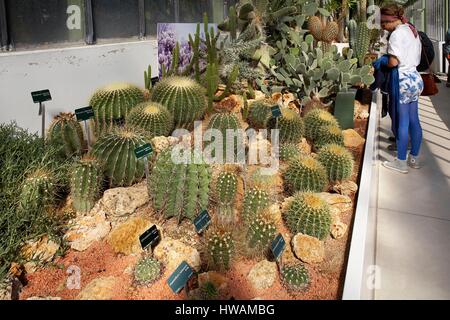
{"x":413,"y":217}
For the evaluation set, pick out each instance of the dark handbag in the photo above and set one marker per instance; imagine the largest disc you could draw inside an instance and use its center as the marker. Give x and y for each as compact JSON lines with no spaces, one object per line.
{"x":429,"y":81}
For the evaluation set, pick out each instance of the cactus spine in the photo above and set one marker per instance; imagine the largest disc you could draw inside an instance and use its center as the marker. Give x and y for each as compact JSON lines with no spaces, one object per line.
{"x":259,"y":115}
{"x":38,"y":190}
{"x":261,"y":232}
{"x":337,"y":160}
{"x":147,"y":270}
{"x":362,"y":42}
{"x":305,"y":174}
{"x":315,"y":27}
{"x":66,"y":134}
{"x":295,"y":277}
{"x":315,"y":120}
{"x":352,"y":33}
{"x":289,"y":151}
{"x":329,"y":135}
{"x":224,"y":122}
{"x":220,"y":249}
{"x":153,"y":118}
{"x":255,"y":202}
{"x":291,"y":126}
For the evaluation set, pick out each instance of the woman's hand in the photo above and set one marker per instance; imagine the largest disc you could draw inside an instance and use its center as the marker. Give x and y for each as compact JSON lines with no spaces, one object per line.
{"x":393,"y":62}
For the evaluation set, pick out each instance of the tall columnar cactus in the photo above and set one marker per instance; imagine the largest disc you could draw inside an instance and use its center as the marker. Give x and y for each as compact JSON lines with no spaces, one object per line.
{"x":260,"y":233}
{"x":183,"y":97}
{"x":116,"y":151}
{"x":329,"y":135}
{"x":153,"y":118}
{"x":147,"y":270}
{"x":291,"y":126}
{"x":352,"y":33}
{"x":255,"y":202}
{"x":309,"y":214}
{"x":220,"y":249}
{"x":315,"y":120}
{"x":305,"y":174}
{"x":66,"y":134}
{"x":289,"y":151}
{"x":112,"y":104}
{"x":295,"y":277}
{"x":38,"y":190}
{"x":337,"y":160}
{"x":362,"y":42}
{"x":226,"y":188}
{"x":179,"y":189}
{"x":224,"y":122}
{"x":85,"y":183}
{"x":259,"y":115}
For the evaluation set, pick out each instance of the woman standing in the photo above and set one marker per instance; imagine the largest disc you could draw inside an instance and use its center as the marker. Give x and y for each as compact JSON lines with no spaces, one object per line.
{"x":404,"y":50}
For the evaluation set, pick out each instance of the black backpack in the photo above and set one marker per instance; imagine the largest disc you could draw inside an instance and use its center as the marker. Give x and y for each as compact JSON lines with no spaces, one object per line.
{"x":428,"y":53}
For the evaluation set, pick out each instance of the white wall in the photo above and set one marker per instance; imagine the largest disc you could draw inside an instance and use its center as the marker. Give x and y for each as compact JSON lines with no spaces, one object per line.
{"x":71,"y":74}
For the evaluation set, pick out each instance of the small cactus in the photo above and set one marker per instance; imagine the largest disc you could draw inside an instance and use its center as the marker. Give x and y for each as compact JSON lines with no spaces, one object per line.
{"x":260,"y":234}
{"x":329,"y":135}
{"x":330,"y":32}
{"x":147,"y":270}
{"x":289,"y":151}
{"x":226,"y":188}
{"x":85,"y":183}
{"x":152,"y":118}
{"x":315,"y":120}
{"x":315,"y":27}
{"x":305,"y":174}
{"x":38,"y":190}
{"x":255,"y":201}
{"x":66,"y":134}
{"x":295,"y":277}
{"x":259,"y":115}
{"x":220,"y":249}
{"x":309,"y":214}
{"x":337,"y":160}
{"x":290,"y":125}
{"x":208,"y":291}
{"x":225,"y":122}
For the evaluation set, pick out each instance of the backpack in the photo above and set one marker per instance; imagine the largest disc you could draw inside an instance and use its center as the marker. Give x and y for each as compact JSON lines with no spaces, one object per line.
{"x":428,"y":53}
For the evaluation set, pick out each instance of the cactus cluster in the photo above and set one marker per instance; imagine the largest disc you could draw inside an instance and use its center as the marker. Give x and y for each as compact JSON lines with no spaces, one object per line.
{"x":112,"y":104}
{"x":305,"y":174}
{"x":255,"y":202}
{"x":183,"y":97}
{"x":309,"y":214}
{"x":66,"y":134}
{"x":179,"y":189}
{"x":38,"y":190}
{"x":85,"y":183}
{"x":147,"y":270}
{"x":291,"y":126}
{"x":315,"y":120}
{"x":323,"y":32}
{"x":116,"y":152}
{"x":289,"y":151}
{"x":220,"y":249}
{"x":337,"y":160}
{"x":227,"y":122}
{"x":151,"y":117}
{"x":295,"y":277}
{"x":261,"y":231}
{"x":329,"y":135}
{"x":259,"y":115}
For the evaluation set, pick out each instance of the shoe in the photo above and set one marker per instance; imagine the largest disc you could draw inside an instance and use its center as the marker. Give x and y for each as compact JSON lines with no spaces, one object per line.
{"x":397,"y":165}
{"x":393,"y":147}
{"x":413,"y":162}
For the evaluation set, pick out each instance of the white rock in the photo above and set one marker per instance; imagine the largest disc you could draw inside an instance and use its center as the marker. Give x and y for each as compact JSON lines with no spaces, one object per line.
{"x":308,"y":249}
{"x":120,"y":202}
{"x":99,"y":289}
{"x":263,"y":275}
{"x":172,"y":252}
{"x":38,"y":253}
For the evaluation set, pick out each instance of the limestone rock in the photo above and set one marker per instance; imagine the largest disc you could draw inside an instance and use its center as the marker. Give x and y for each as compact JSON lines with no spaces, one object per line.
{"x":361,"y":111}
{"x":172,"y":252}
{"x":99,"y":289}
{"x":346,"y":188}
{"x":87,"y":229}
{"x":275,"y":214}
{"x":352,"y":139}
{"x":338,"y":229}
{"x":337,"y":201}
{"x":305,"y":147}
{"x":308,"y":249}
{"x":120,"y":202}
{"x":288,"y":257}
{"x":124,"y":238}
{"x":161,"y":143}
{"x":263,"y":275}
{"x":40,"y":252}
{"x":44,"y":298}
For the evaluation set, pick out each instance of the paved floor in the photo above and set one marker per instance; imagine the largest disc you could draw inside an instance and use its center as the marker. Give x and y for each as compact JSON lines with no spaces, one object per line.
{"x":413,"y":220}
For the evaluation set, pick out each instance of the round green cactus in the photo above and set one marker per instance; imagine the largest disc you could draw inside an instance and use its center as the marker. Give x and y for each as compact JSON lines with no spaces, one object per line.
{"x":183,"y":97}
{"x":295,"y":277}
{"x":305,"y":174}
{"x":220,"y":249}
{"x":337,"y":160}
{"x":85,"y":183}
{"x":179,"y":189}
{"x":259,"y":115}
{"x":66,"y":134}
{"x":208,"y":291}
{"x":260,"y":234}
{"x":315,"y":120}
{"x":153,"y":118}
{"x":147,"y":270}
{"x":112,"y":104}
{"x":224,"y":122}
{"x":38,"y":190}
{"x":116,"y":151}
{"x":226,"y":188}
{"x":289,"y":151}
{"x":255,"y":201}
{"x":291,"y":126}
{"x":329,"y":135}
{"x":309,"y":214}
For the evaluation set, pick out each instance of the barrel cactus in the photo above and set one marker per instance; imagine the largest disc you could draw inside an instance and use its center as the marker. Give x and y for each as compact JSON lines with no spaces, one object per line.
{"x":329,"y":135}
{"x":183,"y":97}
{"x":337,"y":160}
{"x":147,"y":270}
{"x":289,"y":151}
{"x":330,"y":32}
{"x":315,"y":27}
{"x":112,"y":104}
{"x":38,"y":190}
{"x":179,"y":189}
{"x":295,"y":277}
{"x":208,"y":291}
{"x":259,"y":115}
{"x":255,"y":202}
{"x":305,"y":174}
{"x":85,"y":183}
{"x":260,"y":234}
{"x":116,"y":151}
{"x":66,"y":134}
{"x":151,"y":117}
{"x":315,"y":120}
{"x":290,"y":125}
{"x":309,"y":214}
{"x":227,"y":122}
{"x":220,"y":249}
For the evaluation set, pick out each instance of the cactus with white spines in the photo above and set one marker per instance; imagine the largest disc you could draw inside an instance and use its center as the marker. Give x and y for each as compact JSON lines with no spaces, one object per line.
{"x":337,"y":160}
{"x":151,"y":117}
{"x":305,"y":174}
{"x":66,"y":134}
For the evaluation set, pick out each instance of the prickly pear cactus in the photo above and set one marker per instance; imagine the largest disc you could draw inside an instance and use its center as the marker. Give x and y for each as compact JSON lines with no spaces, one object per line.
{"x":261,"y":232}
{"x":305,"y":174}
{"x":38,"y":190}
{"x":85,"y":183}
{"x":295,"y":277}
{"x":116,"y":151}
{"x":225,"y":122}
{"x":147,"y":270}
{"x":309,"y":214}
{"x":315,"y":120}
{"x":289,"y":151}
{"x":66,"y":134}
{"x":179,"y":189}
{"x":183,"y":97}
{"x":220,"y":249}
{"x":112,"y":104}
{"x":329,"y":135}
{"x":255,"y":201}
{"x":291,"y":126}
{"x":337,"y":160}
{"x":153,"y":118}
{"x":259,"y":115}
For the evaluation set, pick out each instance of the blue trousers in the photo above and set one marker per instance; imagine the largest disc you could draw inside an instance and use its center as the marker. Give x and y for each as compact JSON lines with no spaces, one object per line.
{"x":409,"y":126}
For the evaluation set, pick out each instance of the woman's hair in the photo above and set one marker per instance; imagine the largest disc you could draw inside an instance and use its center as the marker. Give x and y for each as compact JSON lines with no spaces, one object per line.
{"x":393,"y":9}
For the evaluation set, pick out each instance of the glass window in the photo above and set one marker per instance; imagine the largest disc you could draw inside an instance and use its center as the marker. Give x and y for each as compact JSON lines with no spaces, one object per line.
{"x":192,"y":10}
{"x":40,"y":22}
{"x":115,"y":18}
{"x":158,"y":11}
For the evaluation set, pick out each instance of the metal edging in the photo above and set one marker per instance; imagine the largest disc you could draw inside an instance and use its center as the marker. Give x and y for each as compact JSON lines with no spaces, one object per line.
{"x":3,"y":26}
{"x":142,"y":19}
{"x":89,"y":21}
